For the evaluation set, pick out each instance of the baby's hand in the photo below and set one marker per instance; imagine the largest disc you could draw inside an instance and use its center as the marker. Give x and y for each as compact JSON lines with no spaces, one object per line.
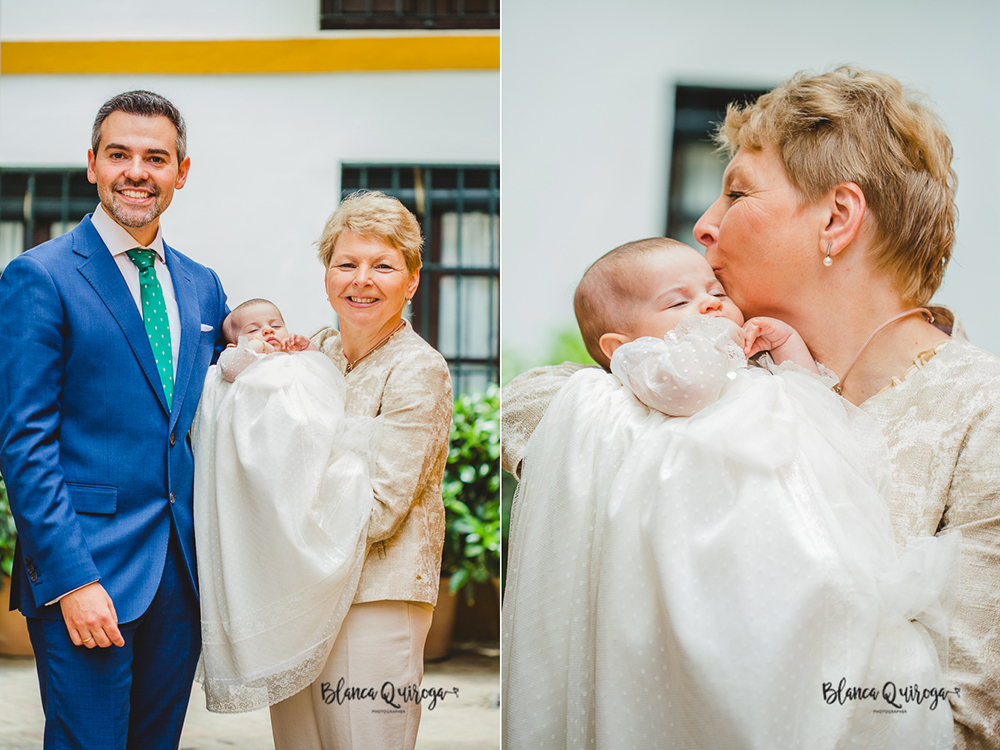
{"x":737,"y":334}
{"x":764,"y":334}
{"x":779,"y":338}
{"x":298,"y":343}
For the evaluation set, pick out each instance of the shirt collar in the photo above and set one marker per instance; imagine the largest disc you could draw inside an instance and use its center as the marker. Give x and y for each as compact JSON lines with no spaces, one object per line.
{"x":117,"y":238}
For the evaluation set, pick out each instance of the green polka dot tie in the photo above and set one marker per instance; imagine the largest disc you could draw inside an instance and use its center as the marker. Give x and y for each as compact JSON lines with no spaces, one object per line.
{"x":154,"y":316}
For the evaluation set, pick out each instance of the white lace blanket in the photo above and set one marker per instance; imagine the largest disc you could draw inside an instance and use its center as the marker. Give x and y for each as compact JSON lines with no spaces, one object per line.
{"x":696,"y":582}
{"x":282,"y":502}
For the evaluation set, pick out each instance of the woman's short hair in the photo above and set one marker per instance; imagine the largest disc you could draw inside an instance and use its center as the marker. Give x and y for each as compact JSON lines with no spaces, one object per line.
{"x":370,"y":213}
{"x":852,"y":125}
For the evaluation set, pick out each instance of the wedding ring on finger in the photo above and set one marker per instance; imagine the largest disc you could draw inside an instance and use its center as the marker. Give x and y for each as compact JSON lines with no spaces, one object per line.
{"x":88,"y":639}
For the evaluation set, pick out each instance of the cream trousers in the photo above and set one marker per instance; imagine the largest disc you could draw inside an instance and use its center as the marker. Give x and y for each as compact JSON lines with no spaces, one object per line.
{"x":360,"y":701}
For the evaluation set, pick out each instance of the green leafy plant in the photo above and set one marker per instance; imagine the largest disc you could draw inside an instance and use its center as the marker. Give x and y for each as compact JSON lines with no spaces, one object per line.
{"x":566,"y":345}
{"x":8,"y":535}
{"x":471,"y":490}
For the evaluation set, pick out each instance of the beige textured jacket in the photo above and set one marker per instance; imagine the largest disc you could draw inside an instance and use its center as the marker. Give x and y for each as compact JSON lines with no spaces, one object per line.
{"x":941,"y":421}
{"x":407,"y":382}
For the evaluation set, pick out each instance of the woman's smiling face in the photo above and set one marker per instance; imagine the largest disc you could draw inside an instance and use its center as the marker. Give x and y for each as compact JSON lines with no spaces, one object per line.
{"x":760,"y":238}
{"x":368,"y":283}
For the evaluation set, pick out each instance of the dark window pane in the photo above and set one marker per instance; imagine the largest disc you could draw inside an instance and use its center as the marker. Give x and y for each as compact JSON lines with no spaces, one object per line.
{"x":39,"y":204}
{"x":410,"y":14}
{"x":696,"y":167}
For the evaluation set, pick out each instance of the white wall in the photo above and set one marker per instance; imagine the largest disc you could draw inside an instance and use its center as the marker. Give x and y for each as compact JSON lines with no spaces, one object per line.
{"x":587,"y":123}
{"x":266,"y":150}
{"x":27,"y":20}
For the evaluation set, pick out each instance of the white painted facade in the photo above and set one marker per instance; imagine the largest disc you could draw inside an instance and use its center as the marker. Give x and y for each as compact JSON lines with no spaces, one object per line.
{"x":266,"y":150}
{"x":588,"y":91}
{"x":52,"y":20}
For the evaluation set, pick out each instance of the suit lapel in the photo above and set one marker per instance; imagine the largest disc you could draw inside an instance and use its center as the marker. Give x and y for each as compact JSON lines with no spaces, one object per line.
{"x":102,"y":273}
{"x":186,"y":294}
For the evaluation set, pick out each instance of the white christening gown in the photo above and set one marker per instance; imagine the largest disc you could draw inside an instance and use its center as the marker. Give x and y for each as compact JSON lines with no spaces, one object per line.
{"x":282,"y":501}
{"x":726,"y":580}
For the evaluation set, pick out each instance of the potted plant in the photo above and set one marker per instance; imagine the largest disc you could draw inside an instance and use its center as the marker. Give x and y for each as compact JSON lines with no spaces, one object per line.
{"x":13,"y":630}
{"x":471,"y":490}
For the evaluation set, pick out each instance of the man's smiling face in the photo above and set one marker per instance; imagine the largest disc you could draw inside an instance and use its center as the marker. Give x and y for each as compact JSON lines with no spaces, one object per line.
{"x":136,"y":170}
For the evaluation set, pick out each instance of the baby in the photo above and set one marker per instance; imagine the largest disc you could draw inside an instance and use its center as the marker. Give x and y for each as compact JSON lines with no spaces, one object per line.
{"x":727,"y":579}
{"x":260,"y":320}
{"x":646,"y":288}
{"x":260,"y":324}
{"x":282,"y":499}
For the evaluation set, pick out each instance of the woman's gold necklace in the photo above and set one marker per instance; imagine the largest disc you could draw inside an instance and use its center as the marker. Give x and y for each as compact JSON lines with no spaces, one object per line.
{"x":352,"y":365}
{"x":839,"y":387}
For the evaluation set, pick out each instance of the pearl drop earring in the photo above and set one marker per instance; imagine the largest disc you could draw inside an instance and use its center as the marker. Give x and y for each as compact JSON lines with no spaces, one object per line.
{"x":828,"y":261}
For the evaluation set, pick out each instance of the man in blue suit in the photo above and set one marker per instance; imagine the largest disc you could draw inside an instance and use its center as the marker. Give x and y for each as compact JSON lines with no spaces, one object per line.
{"x":114,"y":333}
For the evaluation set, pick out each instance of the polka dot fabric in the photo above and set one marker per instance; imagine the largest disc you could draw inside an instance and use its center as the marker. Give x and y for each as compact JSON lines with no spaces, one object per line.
{"x":278,"y":467}
{"x":684,"y":372}
{"x":708,"y":581}
{"x":154,"y":317}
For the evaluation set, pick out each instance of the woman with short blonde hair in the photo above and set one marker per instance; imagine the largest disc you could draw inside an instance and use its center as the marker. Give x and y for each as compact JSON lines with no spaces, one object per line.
{"x":852,"y":125}
{"x":837,"y":216}
{"x":374,"y":214}
{"x":370,"y":250}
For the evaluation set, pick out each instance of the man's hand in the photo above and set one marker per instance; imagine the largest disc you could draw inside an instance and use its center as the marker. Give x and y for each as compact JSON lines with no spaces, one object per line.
{"x":90,"y":617}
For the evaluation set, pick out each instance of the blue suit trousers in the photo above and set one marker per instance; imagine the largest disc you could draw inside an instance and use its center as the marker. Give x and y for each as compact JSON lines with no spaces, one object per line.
{"x":110,"y":698}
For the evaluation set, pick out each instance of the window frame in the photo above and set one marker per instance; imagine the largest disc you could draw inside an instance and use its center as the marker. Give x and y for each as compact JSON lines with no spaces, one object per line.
{"x":409,"y":14}
{"x":37,"y":209}
{"x":421,"y":199}
{"x":698,"y":111}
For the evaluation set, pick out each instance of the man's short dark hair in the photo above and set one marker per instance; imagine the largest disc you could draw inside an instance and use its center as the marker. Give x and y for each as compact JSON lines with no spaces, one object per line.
{"x":145,"y":104}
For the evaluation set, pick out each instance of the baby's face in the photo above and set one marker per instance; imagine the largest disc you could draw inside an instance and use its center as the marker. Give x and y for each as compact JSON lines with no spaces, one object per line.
{"x":679,"y":283}
{"x":262,"y":322}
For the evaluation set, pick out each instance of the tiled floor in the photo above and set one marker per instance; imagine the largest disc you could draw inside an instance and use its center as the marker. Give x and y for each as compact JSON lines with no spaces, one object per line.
{"x":469,"y":722}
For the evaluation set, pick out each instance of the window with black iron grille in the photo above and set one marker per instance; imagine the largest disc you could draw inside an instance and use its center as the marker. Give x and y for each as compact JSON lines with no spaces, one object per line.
{"x":410,"y":14}
{"x":39,"y":204}
{"x":696,"y":167}
{"x":457,"y":306}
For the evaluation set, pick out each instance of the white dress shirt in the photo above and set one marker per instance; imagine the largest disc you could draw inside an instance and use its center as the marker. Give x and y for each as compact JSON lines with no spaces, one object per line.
{"x":119,"y":241}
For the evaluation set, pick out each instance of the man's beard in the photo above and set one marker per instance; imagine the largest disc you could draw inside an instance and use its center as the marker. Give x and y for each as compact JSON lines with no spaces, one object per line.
{"x":131,"y":216}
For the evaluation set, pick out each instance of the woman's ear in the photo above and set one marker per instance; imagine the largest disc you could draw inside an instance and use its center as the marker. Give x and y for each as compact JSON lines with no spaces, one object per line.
{"x":412,"y":284}
{"x":847,"y":205}
{"x":611,"y":341}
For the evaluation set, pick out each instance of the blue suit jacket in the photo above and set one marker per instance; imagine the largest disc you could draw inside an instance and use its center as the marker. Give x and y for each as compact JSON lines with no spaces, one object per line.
{"x":97,"y":468}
